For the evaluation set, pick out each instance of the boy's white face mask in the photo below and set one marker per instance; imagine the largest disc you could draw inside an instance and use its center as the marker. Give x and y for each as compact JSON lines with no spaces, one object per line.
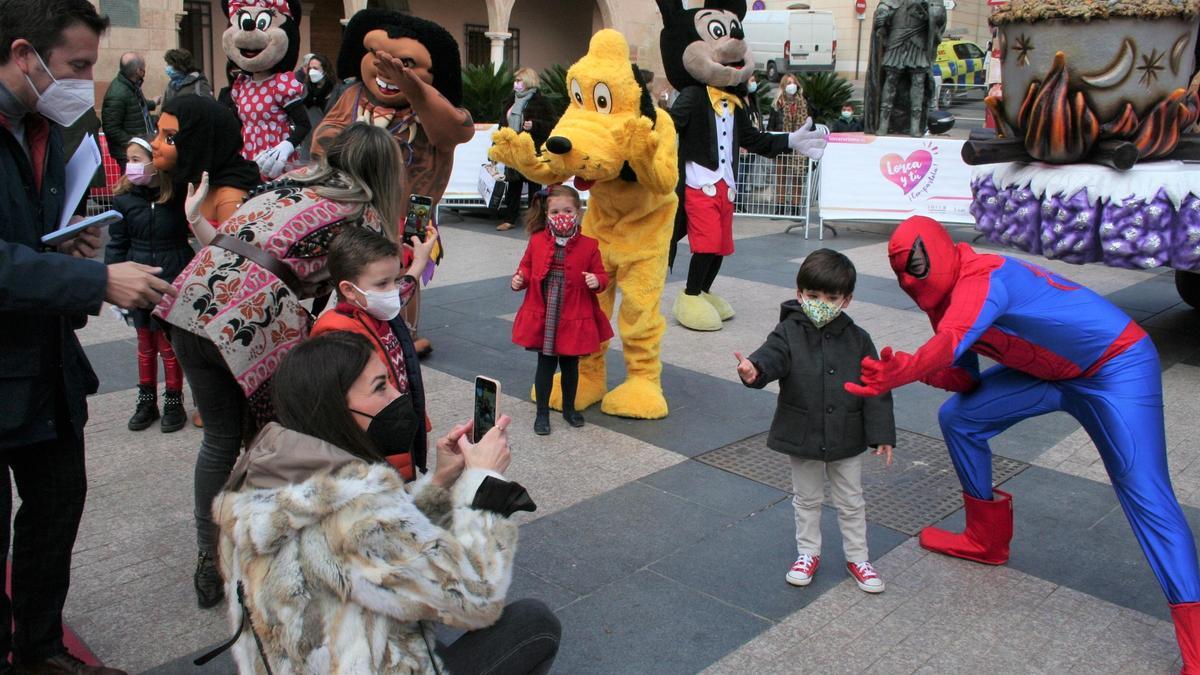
{"x":382,"y":305}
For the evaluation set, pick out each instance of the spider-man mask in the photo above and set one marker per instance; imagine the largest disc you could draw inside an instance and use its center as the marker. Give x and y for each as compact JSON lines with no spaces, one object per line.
{"x":925,"y":260}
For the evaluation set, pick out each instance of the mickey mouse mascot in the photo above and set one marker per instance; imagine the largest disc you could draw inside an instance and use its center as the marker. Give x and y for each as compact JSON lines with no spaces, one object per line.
{"x":709,"y":62}
{"x":263,"y":41}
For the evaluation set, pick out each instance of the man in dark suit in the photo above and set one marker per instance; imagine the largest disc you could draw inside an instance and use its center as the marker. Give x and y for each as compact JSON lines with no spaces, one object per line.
{"x":47,"y":51}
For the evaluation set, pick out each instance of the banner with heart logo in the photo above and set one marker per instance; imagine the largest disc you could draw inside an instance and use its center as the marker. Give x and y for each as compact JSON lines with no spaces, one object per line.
{"x":893,"y":177}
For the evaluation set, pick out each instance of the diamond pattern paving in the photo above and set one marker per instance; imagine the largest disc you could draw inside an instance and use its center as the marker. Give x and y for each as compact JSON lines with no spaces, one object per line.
{"x":919,"y":489}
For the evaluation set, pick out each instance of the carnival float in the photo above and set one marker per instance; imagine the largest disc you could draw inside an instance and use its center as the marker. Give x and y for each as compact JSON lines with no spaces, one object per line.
{"x":1090,"y":162}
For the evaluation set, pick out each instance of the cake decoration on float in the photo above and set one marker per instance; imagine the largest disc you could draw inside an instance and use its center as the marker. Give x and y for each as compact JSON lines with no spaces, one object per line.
{"x":1090,"y":158}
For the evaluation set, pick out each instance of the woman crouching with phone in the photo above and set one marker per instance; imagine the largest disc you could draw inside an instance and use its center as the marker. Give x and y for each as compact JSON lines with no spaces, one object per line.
{"x":338,"y":566}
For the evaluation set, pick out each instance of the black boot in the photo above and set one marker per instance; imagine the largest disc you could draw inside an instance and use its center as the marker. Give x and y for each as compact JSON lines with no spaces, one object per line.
{"x":541,"y":424}
{"x":174,"y":417}
{"x":570,"y":383}
{"x":573,"y":417}
{"x":210,"y":588}
{"x":147,"y":408}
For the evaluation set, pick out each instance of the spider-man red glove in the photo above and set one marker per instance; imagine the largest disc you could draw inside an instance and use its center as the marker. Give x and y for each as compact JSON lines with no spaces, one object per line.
{"x":895,"y":369}
{"x":951,"y":379}
{"x":891,"y":370}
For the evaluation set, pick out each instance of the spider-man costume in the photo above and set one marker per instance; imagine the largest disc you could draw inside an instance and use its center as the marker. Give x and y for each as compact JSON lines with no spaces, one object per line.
{"x":1059,"y":346}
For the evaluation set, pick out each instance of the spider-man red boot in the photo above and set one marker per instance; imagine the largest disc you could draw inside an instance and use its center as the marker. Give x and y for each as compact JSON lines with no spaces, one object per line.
{"x":985,"y":539}
{"x":1186,"y":616}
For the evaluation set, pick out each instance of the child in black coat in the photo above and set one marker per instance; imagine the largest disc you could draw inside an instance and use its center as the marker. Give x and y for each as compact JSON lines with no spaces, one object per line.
{"x":153,"y":232}
{"x":813,"y":352}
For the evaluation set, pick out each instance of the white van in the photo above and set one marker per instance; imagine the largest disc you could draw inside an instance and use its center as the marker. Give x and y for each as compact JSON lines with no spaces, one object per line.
{"x":791,"y":40}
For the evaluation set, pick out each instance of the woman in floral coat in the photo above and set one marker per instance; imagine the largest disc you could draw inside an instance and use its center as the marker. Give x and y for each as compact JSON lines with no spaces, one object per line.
{"x":238,"y":311}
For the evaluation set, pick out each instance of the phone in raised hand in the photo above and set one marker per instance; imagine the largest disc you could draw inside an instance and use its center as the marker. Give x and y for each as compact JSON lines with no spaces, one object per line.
{"x":487,"y":406}
{"x":417,"y":220}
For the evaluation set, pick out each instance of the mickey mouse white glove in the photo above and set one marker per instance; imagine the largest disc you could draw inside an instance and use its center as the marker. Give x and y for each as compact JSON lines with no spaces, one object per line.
{"x":808,"y":140}
{"x":271,"y":163}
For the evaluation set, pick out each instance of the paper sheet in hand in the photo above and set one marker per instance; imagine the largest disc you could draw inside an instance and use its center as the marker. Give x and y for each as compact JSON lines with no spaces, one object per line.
{"x":80,"y":171}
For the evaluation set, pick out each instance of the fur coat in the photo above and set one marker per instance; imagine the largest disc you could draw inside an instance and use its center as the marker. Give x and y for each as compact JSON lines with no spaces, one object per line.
{"x":343,"y":567}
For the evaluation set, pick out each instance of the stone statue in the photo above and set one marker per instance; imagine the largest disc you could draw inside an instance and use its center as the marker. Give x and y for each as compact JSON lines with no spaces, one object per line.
{"x":904,"y":39}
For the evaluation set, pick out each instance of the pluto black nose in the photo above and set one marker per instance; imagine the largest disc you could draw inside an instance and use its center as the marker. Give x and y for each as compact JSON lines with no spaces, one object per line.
{"x":559,"y":145}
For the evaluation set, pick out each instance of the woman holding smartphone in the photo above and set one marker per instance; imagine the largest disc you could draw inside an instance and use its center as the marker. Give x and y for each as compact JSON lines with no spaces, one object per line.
{"x":339,"y":561}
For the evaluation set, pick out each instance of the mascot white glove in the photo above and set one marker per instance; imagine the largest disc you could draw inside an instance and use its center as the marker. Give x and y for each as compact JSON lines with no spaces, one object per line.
{"x":196,"y":195}
{"x":271,"y":163}
{"x":809,"y":140}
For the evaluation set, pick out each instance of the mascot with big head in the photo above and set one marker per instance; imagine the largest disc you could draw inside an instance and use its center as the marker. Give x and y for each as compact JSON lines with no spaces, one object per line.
{"x":708,"y":60}
{"x":617,"y":144}
{"x":409,"y":83}
{"x":263,"y":41}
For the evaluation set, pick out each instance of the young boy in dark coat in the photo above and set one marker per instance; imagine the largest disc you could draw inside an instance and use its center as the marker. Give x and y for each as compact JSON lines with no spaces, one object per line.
{"x":813,"y":351}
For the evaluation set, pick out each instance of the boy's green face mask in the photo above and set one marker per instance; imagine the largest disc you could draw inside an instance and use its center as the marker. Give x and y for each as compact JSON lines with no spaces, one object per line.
{"x":819,"y":312}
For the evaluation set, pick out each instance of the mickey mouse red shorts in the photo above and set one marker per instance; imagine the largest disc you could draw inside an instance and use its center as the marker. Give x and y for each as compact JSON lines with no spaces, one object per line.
{"x":709,"y":220}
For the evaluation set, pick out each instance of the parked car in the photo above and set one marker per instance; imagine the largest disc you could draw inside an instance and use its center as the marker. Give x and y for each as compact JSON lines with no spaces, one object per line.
{"x":791,"y":41}
{"x":961,"y":67}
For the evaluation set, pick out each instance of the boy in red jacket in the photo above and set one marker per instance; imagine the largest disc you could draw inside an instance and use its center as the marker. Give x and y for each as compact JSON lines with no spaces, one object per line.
{"x":366,"y":267}
{"x":561,"y":273}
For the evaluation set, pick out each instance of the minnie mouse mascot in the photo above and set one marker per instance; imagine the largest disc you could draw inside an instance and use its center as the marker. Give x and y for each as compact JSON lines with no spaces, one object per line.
{"x":263,"y":41}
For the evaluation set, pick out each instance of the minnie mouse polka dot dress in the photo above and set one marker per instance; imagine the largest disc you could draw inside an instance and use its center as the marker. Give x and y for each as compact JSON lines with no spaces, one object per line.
{"x":261,"y":108}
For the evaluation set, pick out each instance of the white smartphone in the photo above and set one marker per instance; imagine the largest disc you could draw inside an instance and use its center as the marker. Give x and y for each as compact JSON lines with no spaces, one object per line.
{"x":487,"y":406}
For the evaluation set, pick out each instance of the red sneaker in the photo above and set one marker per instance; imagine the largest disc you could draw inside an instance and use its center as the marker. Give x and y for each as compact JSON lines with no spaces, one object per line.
{"x":803,"y":570}
{"x":866,"y":576}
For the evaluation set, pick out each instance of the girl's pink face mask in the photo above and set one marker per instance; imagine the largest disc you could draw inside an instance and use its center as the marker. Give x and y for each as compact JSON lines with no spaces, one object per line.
{"x":138,"y":173}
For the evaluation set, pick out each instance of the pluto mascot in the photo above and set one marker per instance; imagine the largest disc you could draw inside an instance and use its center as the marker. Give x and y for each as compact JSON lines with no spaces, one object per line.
{"x":615,"y":143}
{"x":263,"y":41}
{"x":708,"y":61}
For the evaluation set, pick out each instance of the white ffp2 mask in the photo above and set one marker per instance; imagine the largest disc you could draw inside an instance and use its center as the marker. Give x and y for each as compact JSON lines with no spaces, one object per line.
{"x":64,"y":101}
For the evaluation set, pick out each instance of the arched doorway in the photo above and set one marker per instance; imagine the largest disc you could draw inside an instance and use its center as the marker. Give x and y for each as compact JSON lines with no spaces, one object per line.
{"x":539,"y":33}
{"x":535,"y":33}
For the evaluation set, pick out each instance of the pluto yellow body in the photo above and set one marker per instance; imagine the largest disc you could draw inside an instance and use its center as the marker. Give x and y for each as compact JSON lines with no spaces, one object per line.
{"x":606,"y":129}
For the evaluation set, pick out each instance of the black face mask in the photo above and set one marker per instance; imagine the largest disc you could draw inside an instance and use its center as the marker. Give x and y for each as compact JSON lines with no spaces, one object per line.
{"x":393,"y":428}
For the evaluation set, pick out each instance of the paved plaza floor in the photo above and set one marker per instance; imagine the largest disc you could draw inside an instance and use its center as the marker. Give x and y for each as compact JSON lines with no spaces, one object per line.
{"x":663,"y":545}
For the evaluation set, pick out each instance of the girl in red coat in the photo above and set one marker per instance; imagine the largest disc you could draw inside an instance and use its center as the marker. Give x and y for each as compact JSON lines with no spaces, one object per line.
{"x":561,"y":319}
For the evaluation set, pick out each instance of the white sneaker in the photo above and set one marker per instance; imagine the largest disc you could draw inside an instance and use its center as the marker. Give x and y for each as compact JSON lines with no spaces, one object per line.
{"x":803,"y":570}
{"x":866,"y":576}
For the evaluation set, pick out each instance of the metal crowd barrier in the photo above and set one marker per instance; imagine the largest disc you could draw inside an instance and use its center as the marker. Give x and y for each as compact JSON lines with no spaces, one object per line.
{"x":100,"y":199}
{"x":783,"y":188}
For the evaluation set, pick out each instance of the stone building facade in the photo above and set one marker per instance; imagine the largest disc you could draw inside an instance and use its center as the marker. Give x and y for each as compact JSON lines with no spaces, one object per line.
{"x":534,"y":33}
